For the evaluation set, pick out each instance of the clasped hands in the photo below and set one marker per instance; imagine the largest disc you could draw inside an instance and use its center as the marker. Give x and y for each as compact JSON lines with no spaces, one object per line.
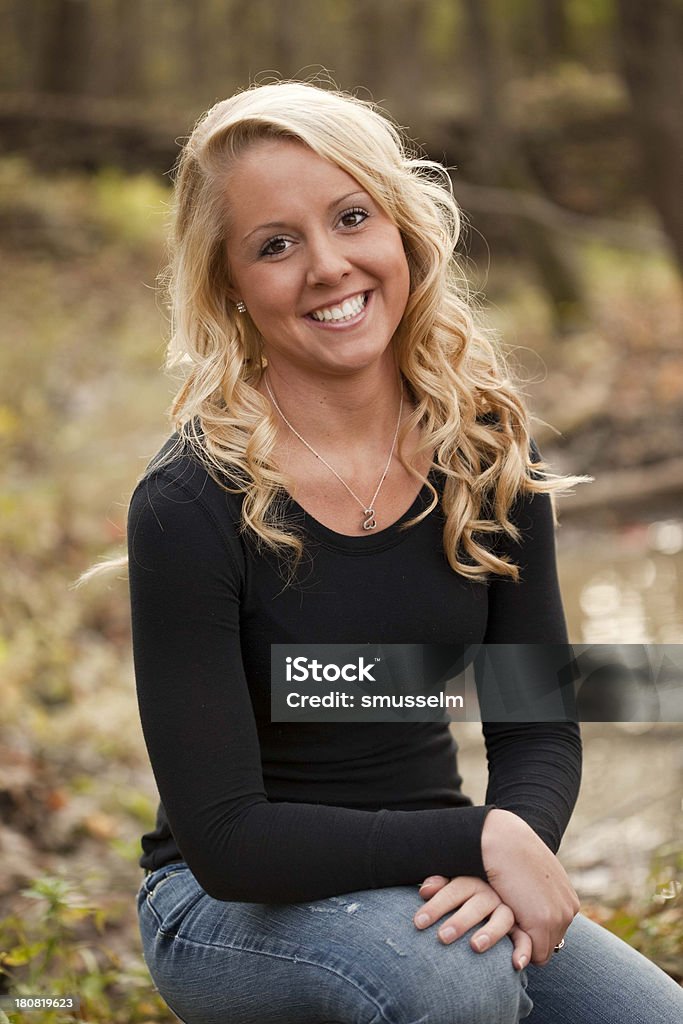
{"x":527,"y":895}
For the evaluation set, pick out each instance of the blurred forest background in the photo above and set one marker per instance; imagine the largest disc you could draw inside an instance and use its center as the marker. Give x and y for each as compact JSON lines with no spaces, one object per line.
{"x":561,"y":121}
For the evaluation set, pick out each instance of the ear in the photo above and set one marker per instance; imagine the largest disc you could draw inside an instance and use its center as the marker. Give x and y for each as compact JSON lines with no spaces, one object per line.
{"x":233,"y":294}
{"x":235,"y":300}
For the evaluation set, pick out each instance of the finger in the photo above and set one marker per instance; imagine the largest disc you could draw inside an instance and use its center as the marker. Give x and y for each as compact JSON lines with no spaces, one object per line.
{"x":542,"y":947}
{"x":544,"y":942}
{"x":476,"y":909}
{"x":432,"y":885}
{"x":499,"y":924}
{"x":521,"y":954}
{"x":547,"y":949}
{"x":452,"y":895}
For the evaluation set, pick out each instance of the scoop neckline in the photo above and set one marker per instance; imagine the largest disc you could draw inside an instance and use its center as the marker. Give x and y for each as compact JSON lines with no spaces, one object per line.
{"x":372,"y":542}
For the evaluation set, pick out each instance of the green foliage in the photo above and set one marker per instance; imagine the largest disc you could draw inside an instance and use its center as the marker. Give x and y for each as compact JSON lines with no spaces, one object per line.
{"x":654,"y":926}
{"x":79,"y":387}
{"x":591,"y":15}
{"x":53,"y":945}
{"x":132,"y":207}
{"x":85,"y":331}
{"x":444,"y":25}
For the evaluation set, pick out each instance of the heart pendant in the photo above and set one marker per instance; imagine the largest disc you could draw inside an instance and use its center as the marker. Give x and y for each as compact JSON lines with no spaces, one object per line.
{"x":369,"y":523}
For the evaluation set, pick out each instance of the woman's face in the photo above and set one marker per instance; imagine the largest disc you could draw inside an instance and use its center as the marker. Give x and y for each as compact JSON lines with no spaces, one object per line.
{"x":319,"y":266}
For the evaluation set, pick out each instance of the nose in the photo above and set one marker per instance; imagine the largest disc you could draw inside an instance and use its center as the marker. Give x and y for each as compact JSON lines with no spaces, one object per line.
{"x":327,"y":262}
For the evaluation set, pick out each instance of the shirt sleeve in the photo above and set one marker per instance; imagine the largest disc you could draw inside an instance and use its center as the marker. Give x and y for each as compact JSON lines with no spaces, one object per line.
{"x":534,"y":767}
{"x":186,"y":576}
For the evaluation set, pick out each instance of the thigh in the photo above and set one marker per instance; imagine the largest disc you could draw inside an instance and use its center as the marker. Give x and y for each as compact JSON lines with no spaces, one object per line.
{"x":598,"y":979}
{"x":352,"y":959}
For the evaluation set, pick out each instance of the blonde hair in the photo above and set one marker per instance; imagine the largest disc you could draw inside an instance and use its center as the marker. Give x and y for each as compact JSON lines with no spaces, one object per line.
{"x":468,"y":411}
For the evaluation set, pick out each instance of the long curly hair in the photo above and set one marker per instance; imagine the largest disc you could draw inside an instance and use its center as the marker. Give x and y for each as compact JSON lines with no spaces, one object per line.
{"x":470,"y":415}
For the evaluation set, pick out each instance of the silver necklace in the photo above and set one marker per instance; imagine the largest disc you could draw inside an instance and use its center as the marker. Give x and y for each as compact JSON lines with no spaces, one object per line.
{"x":369,"y":521}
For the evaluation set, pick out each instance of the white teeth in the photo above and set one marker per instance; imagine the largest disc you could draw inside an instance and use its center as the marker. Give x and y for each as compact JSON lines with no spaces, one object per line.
{"x":348,"y":309}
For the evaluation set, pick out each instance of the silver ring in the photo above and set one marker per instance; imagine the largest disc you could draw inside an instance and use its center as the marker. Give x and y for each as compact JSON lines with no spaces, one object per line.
{"x":559,"y":946}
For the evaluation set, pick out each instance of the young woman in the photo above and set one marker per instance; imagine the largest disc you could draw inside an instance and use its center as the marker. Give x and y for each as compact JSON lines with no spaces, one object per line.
{"x":350,"y":465}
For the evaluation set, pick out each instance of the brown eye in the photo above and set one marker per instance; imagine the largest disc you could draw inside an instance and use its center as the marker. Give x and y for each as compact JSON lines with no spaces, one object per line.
{"x":353,"y":218}
{"x":275,"y":246}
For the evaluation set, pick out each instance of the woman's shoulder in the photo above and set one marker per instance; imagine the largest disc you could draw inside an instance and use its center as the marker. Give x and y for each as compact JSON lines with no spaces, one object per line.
{"x":182,"y":463}
{"x":177,"y":465}
{"x":179,"y":493}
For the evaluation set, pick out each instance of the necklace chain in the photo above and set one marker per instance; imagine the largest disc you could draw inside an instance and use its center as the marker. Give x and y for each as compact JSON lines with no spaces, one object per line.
{"x":369,"y":522}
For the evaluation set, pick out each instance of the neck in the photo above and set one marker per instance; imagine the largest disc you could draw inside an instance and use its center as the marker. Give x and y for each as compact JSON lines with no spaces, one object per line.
{"x":338,"y":411}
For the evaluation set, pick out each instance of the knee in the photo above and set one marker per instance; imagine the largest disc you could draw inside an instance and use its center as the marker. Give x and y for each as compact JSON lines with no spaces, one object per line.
{"x":459,"y":986}
{"x":497,"y":992}
{"x":498,"y":997}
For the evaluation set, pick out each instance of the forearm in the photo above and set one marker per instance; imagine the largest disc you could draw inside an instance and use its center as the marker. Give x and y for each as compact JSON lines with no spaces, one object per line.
{"x":286,"y":853}
{"x":535,"y":771}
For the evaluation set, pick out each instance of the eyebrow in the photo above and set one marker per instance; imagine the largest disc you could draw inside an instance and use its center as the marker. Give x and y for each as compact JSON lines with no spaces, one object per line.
{"x":283,"y":224}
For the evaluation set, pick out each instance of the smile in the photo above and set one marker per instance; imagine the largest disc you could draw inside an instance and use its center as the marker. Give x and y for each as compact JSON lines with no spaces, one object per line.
{"x":349,"y":309}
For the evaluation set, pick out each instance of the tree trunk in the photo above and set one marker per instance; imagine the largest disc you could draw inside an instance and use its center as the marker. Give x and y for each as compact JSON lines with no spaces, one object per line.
{"x":284,"y":29}
{"x":555,"y":28}
{"x":405,"y":84}
{"x":197,"y":51}
{"x":493,"y":144}
{"x":128,"y":49}
{"x":235,"y":46}
{"x":499,"y":162}
{"x":21,"y":22}
{"x":66,"y":40}
{"x":651,"y":43}
{"x":370,"y":23}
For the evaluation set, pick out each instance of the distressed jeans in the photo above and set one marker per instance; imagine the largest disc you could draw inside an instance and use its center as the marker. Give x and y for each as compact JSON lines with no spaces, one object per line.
{"x":358,"y":959}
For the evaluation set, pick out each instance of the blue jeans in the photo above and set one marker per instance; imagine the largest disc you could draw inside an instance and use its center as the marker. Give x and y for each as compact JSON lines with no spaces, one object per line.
{"x":358,"y":959}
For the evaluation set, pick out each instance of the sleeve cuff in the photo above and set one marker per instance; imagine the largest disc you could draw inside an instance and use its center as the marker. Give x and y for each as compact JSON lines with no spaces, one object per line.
{"x":410,"y":845}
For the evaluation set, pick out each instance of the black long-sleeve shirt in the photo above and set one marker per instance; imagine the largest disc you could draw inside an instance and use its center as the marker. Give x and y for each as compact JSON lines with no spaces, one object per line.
{"x":282,"y":812}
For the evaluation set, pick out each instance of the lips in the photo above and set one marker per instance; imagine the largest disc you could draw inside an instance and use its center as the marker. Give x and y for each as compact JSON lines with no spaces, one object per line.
{"x":345,"y":309}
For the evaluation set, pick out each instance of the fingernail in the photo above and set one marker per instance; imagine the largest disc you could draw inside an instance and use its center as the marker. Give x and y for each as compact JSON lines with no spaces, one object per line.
{"x":482,"y":942}
{"x":428,"y":881}
{"x":447,"y":934}
{"x":421,"y":920}
{"x":522,"y":962}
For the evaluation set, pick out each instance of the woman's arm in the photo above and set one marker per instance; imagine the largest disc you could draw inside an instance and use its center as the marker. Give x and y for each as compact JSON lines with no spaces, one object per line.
{"x":186,"y":578}
{"x":535,"y":767}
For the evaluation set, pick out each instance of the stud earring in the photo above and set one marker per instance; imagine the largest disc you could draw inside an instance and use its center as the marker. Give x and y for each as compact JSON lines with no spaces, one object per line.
{"x":241,"y":308}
